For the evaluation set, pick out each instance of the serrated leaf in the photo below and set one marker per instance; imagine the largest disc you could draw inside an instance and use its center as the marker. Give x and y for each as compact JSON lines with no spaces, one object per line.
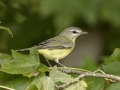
{"x":81,"y":85}
{"x":48,"y":83}
{"x":5,"y":58}
{"x":115,"y":56}
{"x":21,"y":64}
{"x":57,"y":76}
{"x":7,"y":29}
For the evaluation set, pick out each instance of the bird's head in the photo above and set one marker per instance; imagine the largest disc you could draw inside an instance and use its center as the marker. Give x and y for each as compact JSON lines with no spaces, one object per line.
{"x":72,"y":33}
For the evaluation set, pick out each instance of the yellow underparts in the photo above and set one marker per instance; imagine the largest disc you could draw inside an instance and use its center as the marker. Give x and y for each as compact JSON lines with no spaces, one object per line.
{"x":54,"y":54}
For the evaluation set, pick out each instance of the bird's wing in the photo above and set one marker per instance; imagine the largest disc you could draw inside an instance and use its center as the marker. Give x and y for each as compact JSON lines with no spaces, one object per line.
{"x":56,"y":43}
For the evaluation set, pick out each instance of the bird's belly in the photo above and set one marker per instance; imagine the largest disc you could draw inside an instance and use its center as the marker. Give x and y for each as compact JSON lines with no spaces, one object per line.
{"x":54,"y":54}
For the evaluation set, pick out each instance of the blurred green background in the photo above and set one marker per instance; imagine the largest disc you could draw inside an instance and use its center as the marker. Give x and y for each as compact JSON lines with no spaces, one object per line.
{"x":32,"y":21}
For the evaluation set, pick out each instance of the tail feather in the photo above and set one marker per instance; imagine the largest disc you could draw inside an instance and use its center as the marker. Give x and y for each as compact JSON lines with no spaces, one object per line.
{"x":23,"y":49}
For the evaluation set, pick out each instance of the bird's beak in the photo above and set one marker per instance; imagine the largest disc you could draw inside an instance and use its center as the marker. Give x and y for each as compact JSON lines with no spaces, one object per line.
{"x":84,"y":33}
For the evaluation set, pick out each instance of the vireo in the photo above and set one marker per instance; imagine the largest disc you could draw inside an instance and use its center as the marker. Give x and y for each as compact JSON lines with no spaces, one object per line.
{"x":58,"y":47}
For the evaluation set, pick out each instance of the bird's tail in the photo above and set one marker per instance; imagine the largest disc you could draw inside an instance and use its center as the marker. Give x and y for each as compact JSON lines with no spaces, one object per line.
{"x":23,"y":49}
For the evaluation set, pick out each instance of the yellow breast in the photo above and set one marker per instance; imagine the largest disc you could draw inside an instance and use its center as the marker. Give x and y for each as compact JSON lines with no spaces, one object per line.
{"x":55,"y":54}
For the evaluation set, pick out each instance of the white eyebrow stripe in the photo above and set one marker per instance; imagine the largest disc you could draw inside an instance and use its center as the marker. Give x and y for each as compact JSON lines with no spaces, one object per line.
{"x":76,"y":30}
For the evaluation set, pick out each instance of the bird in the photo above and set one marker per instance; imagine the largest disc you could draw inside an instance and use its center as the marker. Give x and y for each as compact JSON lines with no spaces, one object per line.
{"x":60,"y":46}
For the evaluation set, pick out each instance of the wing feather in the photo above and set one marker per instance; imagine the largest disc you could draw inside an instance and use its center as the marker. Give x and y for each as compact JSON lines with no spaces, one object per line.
{"x":56,"y":43}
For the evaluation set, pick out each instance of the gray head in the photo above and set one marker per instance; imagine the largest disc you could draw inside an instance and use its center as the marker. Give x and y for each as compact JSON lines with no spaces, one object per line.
{"x":72,"y":33}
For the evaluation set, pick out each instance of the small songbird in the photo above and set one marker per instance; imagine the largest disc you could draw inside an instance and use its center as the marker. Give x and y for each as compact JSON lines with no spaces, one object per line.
{"x":58,"y":47}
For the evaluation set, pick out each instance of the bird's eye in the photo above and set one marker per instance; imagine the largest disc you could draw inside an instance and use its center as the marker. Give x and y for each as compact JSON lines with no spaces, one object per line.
{"x":74,"y":32}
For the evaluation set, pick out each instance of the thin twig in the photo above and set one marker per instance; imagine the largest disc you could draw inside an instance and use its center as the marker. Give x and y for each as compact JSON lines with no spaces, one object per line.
{"x":6,"y":87}
{"x":83,"y":74}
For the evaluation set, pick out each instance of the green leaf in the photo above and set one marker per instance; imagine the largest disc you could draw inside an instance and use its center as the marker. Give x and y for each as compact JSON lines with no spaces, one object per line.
{"x":34,"y":50}
{"x":32,"y":87}
{"x":36,"y":83}
{"x":21,"y":63}
{"x":94,"y":83}
{"x":57,"y":76}
{"x":115,"y":86}
{"x":81,"y":85}
{"x":90,"y":85}
{"x":7,"y":29}
{"x":114,"y":57}
{"x":111,"y":68}
{"x":43,"y":68}
{"x":5,"y":58}
{"x":88,"y":64}
{"x":48,"y":83}
{"x":17,"y":82}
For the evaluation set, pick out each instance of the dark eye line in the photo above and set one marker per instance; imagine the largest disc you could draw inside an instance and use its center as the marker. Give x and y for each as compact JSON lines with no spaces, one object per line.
{"x":74,"y":31}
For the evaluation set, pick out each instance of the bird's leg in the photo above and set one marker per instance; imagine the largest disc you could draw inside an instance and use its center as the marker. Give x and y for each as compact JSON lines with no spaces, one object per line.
{"x":48,"y":63}
{"x":56,"y":60}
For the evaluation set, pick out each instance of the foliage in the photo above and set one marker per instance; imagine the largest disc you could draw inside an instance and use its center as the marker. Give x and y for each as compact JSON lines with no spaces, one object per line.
{"x":7,"y":29}
{"x":112,"y":63}
{"x":32,"y":21}
{"x":65,"y":12}
{"x":115,"y":57}
{"x":48,"y":17}
{"x":26,"y":72}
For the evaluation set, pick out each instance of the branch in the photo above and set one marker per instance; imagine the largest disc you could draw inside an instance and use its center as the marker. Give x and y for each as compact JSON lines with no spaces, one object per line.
{"x":6,"y":87}
{"x":82,"y":74}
